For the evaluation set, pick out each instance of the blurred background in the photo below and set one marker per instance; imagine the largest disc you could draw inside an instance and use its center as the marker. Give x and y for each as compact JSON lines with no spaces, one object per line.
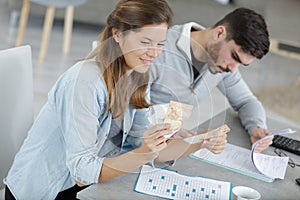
{"x":275,"y":79}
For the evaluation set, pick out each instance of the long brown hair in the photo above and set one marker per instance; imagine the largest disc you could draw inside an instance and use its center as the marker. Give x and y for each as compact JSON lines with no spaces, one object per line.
{"x":127,"y":15}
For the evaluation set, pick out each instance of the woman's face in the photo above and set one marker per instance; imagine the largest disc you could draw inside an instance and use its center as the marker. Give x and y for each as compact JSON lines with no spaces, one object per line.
{"x":140,"y":47}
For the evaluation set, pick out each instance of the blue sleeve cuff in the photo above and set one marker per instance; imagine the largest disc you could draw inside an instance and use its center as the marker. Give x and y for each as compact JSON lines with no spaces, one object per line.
{"x":88,"y":170}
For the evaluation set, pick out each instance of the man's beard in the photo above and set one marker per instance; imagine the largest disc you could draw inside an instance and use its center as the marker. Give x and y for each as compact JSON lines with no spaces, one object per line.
{"x":213,"y":51}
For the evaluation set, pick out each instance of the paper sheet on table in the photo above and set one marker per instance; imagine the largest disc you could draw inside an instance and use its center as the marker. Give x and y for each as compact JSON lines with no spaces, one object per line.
{"x":172,"y":185}
{"x":234,"y":158}
{"x":261,"y":166}
{"x":271,"y":166}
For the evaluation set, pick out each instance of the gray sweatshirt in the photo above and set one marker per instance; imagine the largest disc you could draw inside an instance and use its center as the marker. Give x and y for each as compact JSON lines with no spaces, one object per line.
{"x":172,"y":78}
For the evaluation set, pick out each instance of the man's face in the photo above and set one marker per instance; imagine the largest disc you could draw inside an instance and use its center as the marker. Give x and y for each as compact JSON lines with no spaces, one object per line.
{"x":226,"y":56}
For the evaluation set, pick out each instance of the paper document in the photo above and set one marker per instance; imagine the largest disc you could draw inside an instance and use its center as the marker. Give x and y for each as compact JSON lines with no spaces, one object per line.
{"x":245,"y":161}
{"x":172,"y":185}
{"x":234,"y":158}
{"x":281,"y":132}
{"x":271,"y":166}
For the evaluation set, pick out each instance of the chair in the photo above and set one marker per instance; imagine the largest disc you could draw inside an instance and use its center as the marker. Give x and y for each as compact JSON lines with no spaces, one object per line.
{"x":16,"y":103}
{"x":51,"y":5}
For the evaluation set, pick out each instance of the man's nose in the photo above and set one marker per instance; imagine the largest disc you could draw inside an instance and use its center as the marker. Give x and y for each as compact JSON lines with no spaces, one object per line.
{"x":233,"y":67}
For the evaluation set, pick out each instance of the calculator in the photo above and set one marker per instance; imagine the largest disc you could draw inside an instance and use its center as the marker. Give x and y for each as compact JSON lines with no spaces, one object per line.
{"x":285,"y":143}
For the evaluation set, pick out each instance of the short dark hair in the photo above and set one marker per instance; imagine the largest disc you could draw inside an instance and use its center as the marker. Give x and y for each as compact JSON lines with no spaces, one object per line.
{"x":248,"y":30}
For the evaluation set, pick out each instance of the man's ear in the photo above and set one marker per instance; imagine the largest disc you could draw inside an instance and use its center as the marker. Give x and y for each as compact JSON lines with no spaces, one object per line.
{"x":219,"y":32}
{"x":116,"y":33}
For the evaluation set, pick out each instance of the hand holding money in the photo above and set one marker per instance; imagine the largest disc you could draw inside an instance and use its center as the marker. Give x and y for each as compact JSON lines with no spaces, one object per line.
{"x":222,"y":130}
{"x":176,"y":114}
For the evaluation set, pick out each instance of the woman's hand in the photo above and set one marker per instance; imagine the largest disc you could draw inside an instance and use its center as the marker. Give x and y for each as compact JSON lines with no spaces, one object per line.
{"x":257,"y":134}
{"x":215,"y":144}
{"x":154,"y":140}
{"x":152,"y":143}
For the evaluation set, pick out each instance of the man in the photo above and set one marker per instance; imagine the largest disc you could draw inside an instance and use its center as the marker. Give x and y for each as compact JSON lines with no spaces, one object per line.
{"x":196,"y":60}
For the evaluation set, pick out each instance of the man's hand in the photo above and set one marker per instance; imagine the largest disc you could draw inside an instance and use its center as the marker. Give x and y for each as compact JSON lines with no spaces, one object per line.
{"x":257,"y":134}
{"x":215,"y":144}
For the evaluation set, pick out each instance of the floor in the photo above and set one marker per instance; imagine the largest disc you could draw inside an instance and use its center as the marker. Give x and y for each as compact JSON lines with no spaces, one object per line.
{"x":273,"y":79}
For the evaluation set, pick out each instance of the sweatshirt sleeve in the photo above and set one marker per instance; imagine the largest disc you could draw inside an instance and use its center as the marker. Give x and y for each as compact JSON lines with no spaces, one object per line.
{"x":242,"y":100}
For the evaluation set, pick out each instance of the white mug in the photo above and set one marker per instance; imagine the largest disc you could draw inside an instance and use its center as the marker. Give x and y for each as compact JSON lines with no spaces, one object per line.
{"x":245,"y":193}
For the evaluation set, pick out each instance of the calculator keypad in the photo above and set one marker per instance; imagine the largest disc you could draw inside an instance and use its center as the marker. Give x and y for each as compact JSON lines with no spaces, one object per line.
{"x":287,"y":144}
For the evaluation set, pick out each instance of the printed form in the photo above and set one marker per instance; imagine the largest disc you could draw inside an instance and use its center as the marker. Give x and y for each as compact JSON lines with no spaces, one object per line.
{"x":233,"y":157}
{"x":271,"y":166}
{"x":172,"y":185}
{"x":257,"y":165}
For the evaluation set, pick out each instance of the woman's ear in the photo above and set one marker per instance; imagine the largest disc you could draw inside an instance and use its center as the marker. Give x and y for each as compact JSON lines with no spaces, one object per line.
{"x":219,"y":32}
{"x":116,"y":34}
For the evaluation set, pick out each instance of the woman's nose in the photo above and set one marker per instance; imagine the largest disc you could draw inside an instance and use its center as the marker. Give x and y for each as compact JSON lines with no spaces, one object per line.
{"x":153,"y":52}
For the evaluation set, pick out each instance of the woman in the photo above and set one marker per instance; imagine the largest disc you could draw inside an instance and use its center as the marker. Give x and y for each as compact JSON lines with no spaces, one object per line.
{"x":96,"y":110}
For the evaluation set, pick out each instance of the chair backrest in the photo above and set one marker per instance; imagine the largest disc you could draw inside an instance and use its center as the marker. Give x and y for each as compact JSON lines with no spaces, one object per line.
{"x":59,"y":3}
{"x":16,"y":103}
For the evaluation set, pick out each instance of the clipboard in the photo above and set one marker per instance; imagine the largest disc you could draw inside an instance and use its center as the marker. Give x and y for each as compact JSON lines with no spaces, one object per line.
{"x":230,"y":151}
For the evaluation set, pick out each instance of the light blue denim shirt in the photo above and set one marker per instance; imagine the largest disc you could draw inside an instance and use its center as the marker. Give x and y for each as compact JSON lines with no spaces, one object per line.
{"x":64,"y":144}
